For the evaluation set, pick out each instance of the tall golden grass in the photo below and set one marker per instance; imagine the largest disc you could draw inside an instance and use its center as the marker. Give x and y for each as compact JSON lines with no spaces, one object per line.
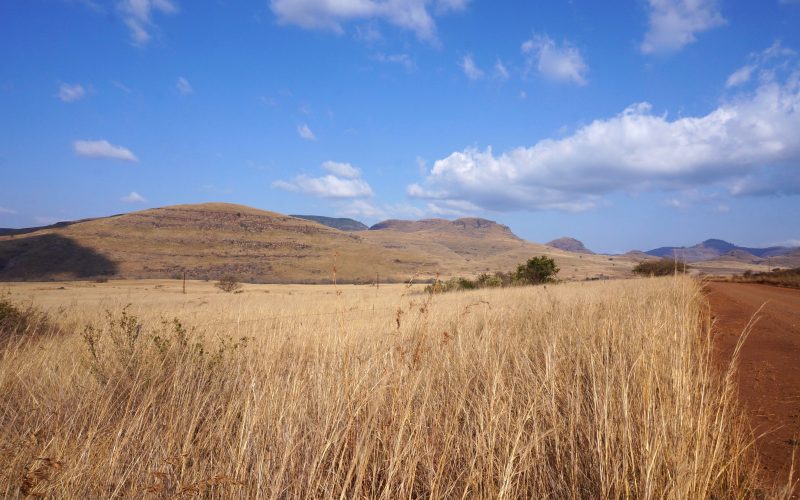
{"x":570,"y":391}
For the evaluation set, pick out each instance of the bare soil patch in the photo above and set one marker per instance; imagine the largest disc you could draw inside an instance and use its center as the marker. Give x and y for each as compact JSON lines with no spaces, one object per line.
{"x":768,"y":376}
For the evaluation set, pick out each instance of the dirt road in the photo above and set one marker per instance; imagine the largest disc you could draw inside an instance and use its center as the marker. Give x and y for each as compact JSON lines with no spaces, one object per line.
{"x":769,"y":369}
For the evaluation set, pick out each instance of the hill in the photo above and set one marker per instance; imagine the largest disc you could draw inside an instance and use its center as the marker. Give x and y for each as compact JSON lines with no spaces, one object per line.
{"x":568,"y":244}
{"x":340,"y":223}
{"x":716,"y":248}
{"x":212,"y":240}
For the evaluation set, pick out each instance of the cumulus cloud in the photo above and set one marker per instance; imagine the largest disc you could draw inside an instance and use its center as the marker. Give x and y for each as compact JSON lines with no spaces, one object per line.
{"x":341,"y":169}
{"x":71,"y":93}
{"x":133,"y":197}
{"x":183,"y":86}
{"x":674,"y":23}
{"x":103,"y":149}
{"x":305,"y":132}
{"x":562,"y":62}
{"x":747,"y":146}
{"x":138,"y":16}
{"x":343,"y":181}
{"x":471,"y":70}
{"x":413,"y":15}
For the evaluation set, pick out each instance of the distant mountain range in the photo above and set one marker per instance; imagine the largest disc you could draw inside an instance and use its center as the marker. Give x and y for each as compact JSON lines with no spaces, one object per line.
{"x":715,"y":248}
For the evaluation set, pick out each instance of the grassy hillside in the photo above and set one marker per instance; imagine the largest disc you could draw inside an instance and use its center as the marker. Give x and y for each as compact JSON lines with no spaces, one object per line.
{"x":216,"y":239}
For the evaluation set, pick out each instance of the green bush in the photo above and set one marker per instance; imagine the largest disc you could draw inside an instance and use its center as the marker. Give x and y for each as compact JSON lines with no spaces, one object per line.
{"x":489,"y":281}
{"x":536,"y":271}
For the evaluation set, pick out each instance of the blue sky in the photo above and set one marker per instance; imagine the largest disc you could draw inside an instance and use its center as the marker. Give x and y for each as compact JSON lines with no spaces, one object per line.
{"x":630,"y":124}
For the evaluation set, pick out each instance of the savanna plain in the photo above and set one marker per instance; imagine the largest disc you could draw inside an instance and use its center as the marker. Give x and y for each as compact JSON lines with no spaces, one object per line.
{"x":600,"y":389}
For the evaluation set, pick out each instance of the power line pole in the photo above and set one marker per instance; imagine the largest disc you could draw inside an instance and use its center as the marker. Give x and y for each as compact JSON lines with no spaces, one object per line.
{"x":184,"y":281}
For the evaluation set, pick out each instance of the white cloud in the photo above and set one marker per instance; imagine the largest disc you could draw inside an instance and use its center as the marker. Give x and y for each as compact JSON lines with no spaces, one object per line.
{"x":774,"y":58}
{"x":453,"y":208}
{"x":740,"y":76}
{"x":138,"y":16}
{"x":500,"y":71}
{"x":360,"y":209}
{"x":305,"y":132}
{"x":422,"y":165}
{"x":341,"y":169}
{"x":748,"y":145}
{"x":403,"y":60}
{"x":367,"y":210}
{"x":103,"y":149}
{"x":674,"y":23}
{"x":183,"y":86}
{"x":413,"y":15}
{"x":368,"y":33}
{"x":471,"y":70}
{"x":328,"y":186}
{"x":344,"y":181}
{"x":9,"y":211}
{"x":556,"y":62}
{"x":444,"y":6}
{"x":71,"y":93}
{"x":133,"y":197}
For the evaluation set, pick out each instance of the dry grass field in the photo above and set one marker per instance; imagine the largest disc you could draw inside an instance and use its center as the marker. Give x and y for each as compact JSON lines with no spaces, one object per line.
{"x":578,"y":390}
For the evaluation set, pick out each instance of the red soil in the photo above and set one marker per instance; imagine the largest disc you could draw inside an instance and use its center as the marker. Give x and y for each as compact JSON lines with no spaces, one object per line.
{"x":769,"y":367}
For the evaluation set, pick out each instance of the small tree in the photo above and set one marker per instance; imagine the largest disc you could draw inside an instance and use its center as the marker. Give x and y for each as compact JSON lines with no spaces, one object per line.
{"x":228,"y":284}
{"x":536,"y":271}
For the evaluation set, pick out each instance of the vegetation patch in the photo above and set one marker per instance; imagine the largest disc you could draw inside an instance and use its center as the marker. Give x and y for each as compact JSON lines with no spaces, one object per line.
{"x":663,"y":267}
{"x":536,"y":271}
{"x":788,"y":278}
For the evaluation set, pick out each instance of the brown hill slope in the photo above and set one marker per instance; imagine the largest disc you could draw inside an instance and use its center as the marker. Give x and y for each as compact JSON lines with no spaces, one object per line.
{"x":215,"y":239}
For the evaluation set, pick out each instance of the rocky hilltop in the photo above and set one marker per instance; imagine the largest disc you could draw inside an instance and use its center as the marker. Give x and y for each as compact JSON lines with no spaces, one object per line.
{"x":569,"y":244}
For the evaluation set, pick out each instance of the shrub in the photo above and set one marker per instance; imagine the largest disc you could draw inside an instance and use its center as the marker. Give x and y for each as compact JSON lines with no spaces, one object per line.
{"x":663,"y":267}
{"x":21,"y":324}
{"x":228,"y":284}
{"x":536,"y":271}
{"x":779,"y":277}
{"x":489,"y":281}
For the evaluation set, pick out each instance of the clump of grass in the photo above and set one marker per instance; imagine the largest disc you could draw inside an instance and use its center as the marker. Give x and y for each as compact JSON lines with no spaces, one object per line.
{"x":592,"y":390}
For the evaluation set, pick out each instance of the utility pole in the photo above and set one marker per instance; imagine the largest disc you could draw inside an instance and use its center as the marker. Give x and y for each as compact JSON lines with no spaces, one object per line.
{"x":184,"y":281}
{"x":377,"y":280}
